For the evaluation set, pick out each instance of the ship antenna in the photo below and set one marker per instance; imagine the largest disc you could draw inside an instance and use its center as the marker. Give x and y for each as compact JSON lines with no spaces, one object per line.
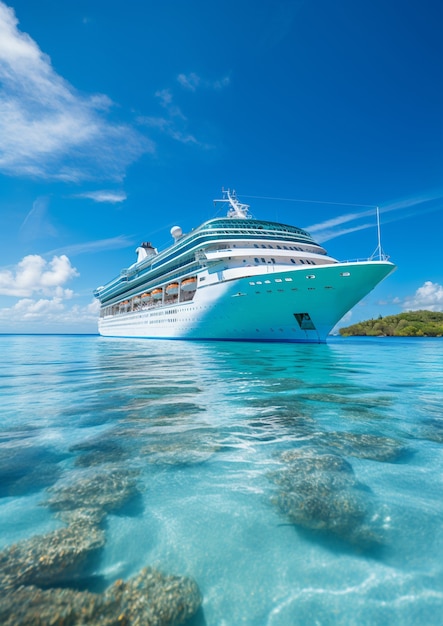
{"x":236,"y":209}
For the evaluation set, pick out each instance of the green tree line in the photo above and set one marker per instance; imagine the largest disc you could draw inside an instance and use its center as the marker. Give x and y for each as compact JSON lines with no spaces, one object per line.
{"x":410,"y":324}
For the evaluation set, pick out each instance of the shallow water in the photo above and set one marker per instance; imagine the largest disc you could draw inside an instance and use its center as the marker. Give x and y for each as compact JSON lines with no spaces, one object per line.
{"x":210,"y":429}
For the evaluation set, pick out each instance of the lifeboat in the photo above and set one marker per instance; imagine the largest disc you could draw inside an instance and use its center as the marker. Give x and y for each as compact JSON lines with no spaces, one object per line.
{"x":172,"y":289}
{"x":157,"y":293}
{"x":145,"y":296}
{"x":189,"y":284}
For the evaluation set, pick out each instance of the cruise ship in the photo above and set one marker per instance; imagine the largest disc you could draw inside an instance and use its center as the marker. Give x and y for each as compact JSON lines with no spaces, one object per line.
{"x":236,"y":278}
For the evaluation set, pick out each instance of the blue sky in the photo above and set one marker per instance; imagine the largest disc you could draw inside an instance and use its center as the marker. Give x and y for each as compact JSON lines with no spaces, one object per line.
{"x":120,"y":120}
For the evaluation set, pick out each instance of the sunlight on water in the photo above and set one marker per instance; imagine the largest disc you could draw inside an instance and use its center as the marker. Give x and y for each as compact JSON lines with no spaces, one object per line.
{"x":293,"y":484}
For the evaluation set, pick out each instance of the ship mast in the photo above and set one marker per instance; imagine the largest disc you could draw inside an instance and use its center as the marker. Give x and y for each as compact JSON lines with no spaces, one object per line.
{"x":379,"y":250}
{"x":236,"y":209}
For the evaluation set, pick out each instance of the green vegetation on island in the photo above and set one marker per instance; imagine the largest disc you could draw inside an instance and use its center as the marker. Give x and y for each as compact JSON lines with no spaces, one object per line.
{"x":410,"y":324}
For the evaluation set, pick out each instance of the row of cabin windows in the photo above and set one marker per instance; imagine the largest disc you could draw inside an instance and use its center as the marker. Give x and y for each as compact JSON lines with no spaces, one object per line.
{"x":279,"y":247}
{"x":302,"y":261}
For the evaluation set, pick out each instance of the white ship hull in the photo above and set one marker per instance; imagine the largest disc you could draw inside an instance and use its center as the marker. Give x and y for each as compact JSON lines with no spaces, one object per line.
{"x":281,"y":304}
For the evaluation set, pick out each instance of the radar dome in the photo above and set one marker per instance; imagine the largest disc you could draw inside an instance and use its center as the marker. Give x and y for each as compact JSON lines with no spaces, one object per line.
{"x":176,"y":232}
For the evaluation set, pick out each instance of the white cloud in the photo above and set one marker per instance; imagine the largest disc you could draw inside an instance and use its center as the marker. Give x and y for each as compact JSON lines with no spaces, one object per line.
{"x":35,"y":275}
{"x":47,"y":129}
{"x":50,"y":315}
{"x":103,"y":195}
{"x":429,"y":296}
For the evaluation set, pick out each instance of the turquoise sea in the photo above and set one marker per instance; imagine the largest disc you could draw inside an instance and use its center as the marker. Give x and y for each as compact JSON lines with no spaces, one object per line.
{"x":295,"y":484}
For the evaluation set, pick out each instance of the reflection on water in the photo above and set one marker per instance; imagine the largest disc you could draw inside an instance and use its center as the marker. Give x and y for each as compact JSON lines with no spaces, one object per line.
{"x":270,"y":484}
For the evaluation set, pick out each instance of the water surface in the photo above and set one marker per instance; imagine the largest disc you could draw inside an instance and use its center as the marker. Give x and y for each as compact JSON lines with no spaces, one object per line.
{"x":296,"y":484}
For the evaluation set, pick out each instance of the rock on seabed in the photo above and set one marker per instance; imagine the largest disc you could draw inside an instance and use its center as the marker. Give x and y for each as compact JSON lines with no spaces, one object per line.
{"x":149,"y":599}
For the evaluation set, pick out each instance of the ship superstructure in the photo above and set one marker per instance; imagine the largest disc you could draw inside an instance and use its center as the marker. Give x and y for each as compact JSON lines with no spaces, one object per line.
{"x":236,"y":278}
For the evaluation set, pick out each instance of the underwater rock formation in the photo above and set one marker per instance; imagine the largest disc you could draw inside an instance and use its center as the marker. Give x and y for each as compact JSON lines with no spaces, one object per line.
{"x":181,"y":448}
{"x":319,"y":491}
{"x":105,"y":490}
{"x":363,"y":446}
{"x":52,"y":558}
{"x":149,"y":599}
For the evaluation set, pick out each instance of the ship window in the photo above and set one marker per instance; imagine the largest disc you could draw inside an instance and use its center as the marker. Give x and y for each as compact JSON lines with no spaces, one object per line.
{"x":255,"y":245}
{"x":267,"y":282}
{"x":263,"y":260}
{"x":278,"y":280}
{"x":292,"y":261}
{"x":272,"y":260}
{"x":259,"y":282}
{"x":252,"y":283}
{"x":345,"y":273}
{"x":256,"y":260}
{"x":288,"y":280}
{"x":310,"y":276}
{"x":302,"y":262}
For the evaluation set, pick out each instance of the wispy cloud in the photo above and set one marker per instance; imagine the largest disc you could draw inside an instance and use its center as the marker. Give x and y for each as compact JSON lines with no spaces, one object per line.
{"x":37,"y":223}
{"x":174,"y":122}
{"x":103,"y":195}
{"x":90,"y":247}
{"x":33,"y":274}
{"x":47,"y":129}
{"x":189,"y":81}
{"x":192,"y":81}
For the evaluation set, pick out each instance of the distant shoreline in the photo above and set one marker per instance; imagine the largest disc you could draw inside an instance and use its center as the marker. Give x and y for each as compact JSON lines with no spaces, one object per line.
{"x":410,"y":324}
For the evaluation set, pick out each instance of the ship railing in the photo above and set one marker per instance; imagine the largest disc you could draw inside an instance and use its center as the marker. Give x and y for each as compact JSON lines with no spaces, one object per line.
{"x":385,"y":257}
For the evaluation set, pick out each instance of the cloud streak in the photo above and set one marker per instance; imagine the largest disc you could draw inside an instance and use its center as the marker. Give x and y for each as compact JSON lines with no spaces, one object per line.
{"x":37,"y":223}
{"x":91,"y":247}
{"x":404,"y":209}
{"x":47,"y":129}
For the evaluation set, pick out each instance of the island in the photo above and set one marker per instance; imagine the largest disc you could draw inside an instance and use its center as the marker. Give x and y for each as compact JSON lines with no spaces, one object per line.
{"x":410,"y":324}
